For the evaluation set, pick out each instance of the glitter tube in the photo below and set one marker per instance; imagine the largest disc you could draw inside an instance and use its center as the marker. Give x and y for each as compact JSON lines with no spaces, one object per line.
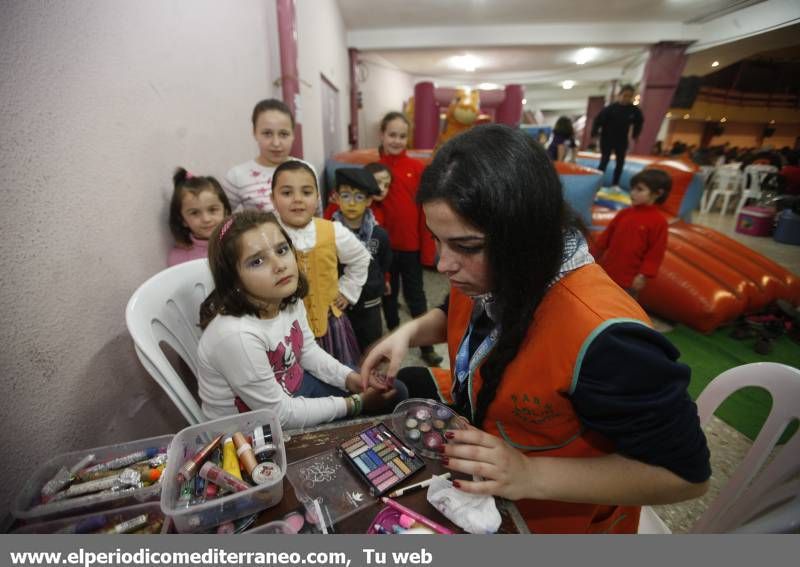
{"x":190,"y":467}
{"x":213,"y":473}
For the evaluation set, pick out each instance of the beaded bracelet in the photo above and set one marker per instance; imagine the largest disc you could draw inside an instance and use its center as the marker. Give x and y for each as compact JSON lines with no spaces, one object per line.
{"x":357,"y":404}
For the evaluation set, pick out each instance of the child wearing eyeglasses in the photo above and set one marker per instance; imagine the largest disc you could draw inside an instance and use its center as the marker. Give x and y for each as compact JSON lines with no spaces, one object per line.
{"x":355,"y":189}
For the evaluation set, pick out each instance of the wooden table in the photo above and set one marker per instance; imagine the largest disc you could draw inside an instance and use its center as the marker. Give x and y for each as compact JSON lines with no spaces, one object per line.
{"x":312,"y":441}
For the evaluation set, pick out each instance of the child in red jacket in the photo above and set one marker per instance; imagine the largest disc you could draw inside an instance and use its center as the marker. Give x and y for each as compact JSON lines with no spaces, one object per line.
{"x":632,"y":247}
{"x":405,"y":223}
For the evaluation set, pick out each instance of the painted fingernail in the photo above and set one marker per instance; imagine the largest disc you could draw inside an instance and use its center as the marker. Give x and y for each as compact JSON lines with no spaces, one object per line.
{"x":445,"y":460}
{"x":440,"y":448}
{"x":449,"y":434}
{"x":456,"y":484}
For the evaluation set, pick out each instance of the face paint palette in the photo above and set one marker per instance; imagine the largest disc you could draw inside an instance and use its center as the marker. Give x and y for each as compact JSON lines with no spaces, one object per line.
{"x":423,"y":423}
{"x":380,"y":458}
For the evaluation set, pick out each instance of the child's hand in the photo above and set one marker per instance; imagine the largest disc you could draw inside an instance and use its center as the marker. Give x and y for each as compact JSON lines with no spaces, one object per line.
{"x":375,"y":400}
{"x":341,"y":302}
{"x":354,"y":383}
{"x":378,"y":380}
{"x":639,"y":282}
{"x":387,"y":288}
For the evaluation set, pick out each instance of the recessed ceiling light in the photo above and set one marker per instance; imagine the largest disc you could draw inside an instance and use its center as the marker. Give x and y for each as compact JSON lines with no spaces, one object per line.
{"x":715,"y":64}
{"x":567,"y":85}
{"x":585,"y":55}
{"x":686,"y":116}
{"x":465,"y":62}
{"x":488,"y":86}
{"x":524,"y":101}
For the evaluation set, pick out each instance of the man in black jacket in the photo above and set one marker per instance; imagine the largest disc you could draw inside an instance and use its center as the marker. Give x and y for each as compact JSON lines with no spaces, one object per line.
{"x":614,"y":125}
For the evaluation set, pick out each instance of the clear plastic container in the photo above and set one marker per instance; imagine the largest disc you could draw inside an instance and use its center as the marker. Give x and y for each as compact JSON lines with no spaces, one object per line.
{"x":97,"y":522}
{"x":276,"y":527}
{"x":202,"y":516}
{"x":27,"y":504}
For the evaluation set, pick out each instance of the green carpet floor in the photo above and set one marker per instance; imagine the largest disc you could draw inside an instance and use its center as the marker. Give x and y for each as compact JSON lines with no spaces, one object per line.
{"x":710,"y":355}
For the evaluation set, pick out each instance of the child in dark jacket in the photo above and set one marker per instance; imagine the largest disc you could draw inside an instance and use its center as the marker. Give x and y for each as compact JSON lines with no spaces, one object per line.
{"x":632,"y":247}
{"x":355,"y":189}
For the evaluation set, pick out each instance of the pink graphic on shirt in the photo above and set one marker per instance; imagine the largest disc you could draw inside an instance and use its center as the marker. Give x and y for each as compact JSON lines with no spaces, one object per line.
{"x":285,"y":360}
{"x":254,"y":173}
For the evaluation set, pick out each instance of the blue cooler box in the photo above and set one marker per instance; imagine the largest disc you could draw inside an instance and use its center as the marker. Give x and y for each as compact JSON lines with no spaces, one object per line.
{"x":788,"y":229}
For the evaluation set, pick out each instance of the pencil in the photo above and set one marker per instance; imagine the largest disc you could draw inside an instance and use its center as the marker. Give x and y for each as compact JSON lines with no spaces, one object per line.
{"x":423,"y":484}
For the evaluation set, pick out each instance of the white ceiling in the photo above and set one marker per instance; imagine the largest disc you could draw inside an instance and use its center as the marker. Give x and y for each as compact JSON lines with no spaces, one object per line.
{"x":534,"y":42}
{"x":368,"y":14}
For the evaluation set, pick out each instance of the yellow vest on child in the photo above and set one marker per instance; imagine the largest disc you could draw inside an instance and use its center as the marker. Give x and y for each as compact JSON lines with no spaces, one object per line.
{"x":320,"y":266}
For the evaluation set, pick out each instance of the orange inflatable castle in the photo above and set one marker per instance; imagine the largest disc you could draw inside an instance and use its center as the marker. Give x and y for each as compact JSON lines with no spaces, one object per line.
{"x":706,"y":278}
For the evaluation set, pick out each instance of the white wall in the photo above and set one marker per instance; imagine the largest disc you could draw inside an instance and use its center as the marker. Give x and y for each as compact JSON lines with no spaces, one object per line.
{"x":385,"y":89}
{"x":100,"y":102}
{"x":322,"y":49}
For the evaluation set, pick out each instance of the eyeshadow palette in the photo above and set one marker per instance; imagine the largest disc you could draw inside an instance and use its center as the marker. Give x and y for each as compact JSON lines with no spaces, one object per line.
{"x":423,"y":423}
{"x":380,"y":458}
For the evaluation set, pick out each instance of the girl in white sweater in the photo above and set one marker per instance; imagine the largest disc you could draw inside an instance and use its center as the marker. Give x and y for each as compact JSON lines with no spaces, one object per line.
{"x":257,"y":349}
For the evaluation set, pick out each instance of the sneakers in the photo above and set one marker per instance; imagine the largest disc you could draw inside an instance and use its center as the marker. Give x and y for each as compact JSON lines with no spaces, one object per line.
{"x":430,"y":357}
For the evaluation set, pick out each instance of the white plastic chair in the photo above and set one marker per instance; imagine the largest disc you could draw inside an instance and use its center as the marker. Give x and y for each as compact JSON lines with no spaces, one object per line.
{"x":726,"y":181}
{"x":770,"y":503}
{"x":745,"y":494}
{"x":167,"y":308}
{"x":752,"y":179}
{"x":706,"y":171}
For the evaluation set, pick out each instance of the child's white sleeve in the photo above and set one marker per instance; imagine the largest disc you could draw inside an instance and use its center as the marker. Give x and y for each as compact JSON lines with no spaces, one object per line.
{"x":318,"y":362}
{"x":241,"y":359}
{"x":232,"y":190}
{"x":355,"y":258}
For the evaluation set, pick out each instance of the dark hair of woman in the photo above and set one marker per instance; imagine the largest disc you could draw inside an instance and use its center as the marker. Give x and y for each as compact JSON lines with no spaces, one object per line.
{"x":500,"y":181}
{"x":228,"y":296}
{"x":185,"y":183}
{"x":564,"y":127}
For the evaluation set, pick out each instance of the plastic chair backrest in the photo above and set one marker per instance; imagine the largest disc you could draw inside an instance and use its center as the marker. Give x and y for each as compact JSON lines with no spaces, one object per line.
{"x":167,"y":308}
{"x":745,"y":493}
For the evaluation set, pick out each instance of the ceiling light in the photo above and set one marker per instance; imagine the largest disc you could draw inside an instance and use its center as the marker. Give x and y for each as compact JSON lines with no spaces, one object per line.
{"x":488,"y":86}
{"x":567,"y":85}
{"x":524,"y":101}
{"x":465,"y":62}
{"x":772,"y":122}
{"x":723,"y":119}
{"x":669,"y":115}
{"x":686,"y":116}
{"x":715,"y":64}
{"x":585,"y":55}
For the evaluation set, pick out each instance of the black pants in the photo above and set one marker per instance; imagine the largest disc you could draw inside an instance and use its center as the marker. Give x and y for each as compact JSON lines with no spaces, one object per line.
{"x":619,"y":148}
{"x":407,"y":268}
{"x":367,"y":325}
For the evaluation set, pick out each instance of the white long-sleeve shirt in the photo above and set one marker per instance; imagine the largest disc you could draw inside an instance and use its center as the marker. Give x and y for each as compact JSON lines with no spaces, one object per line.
{"x":249,"y":185}
{"x":262,"y":362}
{"x":352,"y":254}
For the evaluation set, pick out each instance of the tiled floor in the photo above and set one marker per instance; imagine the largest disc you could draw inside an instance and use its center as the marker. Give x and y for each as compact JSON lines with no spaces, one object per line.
{"x":727,"y":445}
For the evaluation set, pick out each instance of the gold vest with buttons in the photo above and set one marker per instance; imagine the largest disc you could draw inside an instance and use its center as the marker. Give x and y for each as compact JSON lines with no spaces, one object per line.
{"x":320,"y":266}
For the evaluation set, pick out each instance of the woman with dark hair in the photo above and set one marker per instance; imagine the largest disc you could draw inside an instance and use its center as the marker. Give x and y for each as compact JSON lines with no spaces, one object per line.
{"x":582,"y":406}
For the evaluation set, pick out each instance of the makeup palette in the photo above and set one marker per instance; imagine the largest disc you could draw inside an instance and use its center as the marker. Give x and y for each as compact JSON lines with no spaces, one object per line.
{"x":380,"y":458}
{"x":423,"y":423}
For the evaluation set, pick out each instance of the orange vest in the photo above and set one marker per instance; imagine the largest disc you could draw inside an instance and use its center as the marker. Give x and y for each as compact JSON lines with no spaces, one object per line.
{"x":531,"y":410}
{"x":320,"y":266}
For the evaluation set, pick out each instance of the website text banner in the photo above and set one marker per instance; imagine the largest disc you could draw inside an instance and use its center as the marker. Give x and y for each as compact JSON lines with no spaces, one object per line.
{"x":396,"y":551}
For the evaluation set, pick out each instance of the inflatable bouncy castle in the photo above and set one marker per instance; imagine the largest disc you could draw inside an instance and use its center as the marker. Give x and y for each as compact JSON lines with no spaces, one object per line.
{"x":706,"y":278}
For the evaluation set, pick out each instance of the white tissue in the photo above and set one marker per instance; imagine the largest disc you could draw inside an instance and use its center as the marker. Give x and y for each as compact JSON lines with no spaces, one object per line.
{"x":473,"y":513}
